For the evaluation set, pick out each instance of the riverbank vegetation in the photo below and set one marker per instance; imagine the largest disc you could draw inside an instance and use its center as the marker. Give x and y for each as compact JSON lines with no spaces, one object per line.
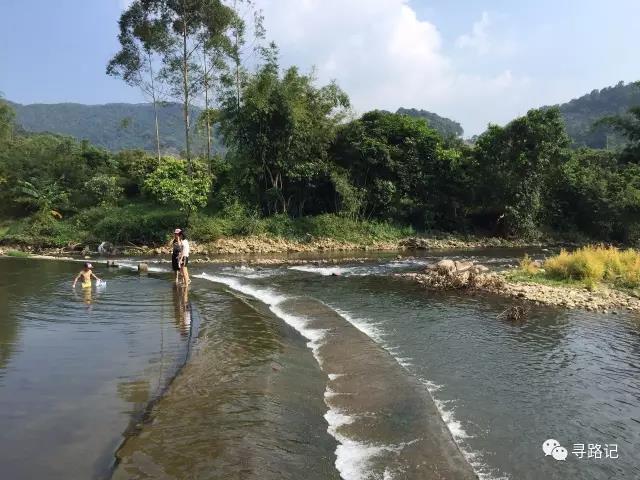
{"x":295,"y":162}
{"x":589,"y":266}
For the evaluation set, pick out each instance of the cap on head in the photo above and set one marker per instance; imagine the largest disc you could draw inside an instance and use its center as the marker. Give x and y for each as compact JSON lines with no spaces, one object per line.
{"x":177,"y":231}
{"x":88,"y":265}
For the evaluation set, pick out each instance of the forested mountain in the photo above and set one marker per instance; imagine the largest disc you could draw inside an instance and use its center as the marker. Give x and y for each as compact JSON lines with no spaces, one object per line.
{"x":114,"y":126}
{"x":118,"y":126}
{"x":580,"y":114}
{"x":444,"y":126}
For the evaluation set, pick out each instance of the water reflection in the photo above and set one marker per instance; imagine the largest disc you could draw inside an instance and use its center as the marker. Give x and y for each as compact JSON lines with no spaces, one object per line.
{"x":76,"y":367}
{"x":183,"y":309}
{"x":248,"y":404}
{"x":136,"y":393}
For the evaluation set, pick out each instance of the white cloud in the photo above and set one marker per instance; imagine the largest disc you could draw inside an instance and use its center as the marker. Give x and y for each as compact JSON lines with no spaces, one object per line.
{"x":384,"y":56}
{"x":482,"y":39}
{"x":478,"y":39}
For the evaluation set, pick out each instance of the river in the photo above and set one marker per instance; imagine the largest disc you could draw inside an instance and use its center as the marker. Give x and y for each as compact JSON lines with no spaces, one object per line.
{"x":317,"y":372}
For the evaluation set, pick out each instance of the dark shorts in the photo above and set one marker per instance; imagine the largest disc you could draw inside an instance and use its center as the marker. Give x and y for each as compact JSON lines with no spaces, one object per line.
{"x":174,"y":263}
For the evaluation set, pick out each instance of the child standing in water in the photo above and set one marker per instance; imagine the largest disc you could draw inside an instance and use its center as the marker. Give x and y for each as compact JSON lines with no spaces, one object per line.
{"x":86,"y":273}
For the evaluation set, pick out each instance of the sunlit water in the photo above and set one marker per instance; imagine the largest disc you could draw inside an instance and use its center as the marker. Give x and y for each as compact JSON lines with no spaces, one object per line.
{"x":316,"y":372}
{"x":77,"y":367}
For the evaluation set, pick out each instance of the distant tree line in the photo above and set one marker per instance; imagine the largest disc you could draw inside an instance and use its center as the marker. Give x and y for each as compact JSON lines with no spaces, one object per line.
{"x":292,"y":149}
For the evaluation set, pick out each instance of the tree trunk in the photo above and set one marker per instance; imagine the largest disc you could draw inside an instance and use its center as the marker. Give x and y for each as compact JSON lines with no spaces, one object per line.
{"x":238,"y":85}
{"x":237,"y":60}
{"x":155,"y":105}
{"x":206,"y":107}
{"x":185,"y":85}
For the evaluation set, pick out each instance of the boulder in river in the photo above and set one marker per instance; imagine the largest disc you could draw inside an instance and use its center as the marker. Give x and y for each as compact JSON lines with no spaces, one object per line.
{"x":107,"y":248}
{"x":449,"y":274}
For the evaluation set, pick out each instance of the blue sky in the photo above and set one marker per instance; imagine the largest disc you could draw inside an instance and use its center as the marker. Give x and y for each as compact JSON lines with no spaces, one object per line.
{"x":474,"y":61}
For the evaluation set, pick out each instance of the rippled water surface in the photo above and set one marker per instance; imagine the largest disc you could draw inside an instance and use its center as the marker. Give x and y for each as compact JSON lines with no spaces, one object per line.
{"x":77,"y":367}
{"x":314,"y":371}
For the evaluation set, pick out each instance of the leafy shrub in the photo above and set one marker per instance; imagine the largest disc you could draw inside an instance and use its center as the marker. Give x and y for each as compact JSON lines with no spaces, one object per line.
{"x":140,"y":224}
{"x":17,"y":254}
{"x":172,"y":184}
{"x":104,"y":189}
{"x":42,"y":230}
{"x":207,"y":229}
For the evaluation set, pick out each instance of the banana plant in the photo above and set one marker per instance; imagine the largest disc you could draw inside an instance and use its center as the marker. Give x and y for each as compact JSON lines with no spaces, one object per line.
{"x":45,"y":198}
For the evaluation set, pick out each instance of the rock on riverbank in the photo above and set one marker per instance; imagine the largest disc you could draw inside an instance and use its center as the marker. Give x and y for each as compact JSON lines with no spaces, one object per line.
{"x":454,"y":275}
{"x":449,"y":274}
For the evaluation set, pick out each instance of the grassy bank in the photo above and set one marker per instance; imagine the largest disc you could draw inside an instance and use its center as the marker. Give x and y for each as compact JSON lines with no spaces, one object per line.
{"x":143,"y":224}
{"x":588,"y":267}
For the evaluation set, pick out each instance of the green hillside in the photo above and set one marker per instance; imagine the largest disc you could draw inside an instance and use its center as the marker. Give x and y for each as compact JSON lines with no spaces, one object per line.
{"x":444,"y":126}
{"x":118,"y":126}
{"x":581,"y":113}
{"x":114,"y":126}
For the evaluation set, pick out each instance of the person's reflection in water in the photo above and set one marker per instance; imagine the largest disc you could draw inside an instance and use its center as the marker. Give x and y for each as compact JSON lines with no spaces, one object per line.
{"x":87,"y":297}
{"x":182,"y":308}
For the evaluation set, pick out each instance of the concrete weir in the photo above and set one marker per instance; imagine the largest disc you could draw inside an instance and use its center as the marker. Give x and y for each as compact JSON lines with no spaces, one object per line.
{"x":376,"y":406}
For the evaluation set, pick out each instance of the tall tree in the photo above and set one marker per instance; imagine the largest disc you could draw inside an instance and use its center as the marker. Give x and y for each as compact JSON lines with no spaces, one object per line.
{"x":247,"y":15}
{"x":190,"y":26}
{"x":7,"y":116}
{"x":523,"y":157}
{"x":216,"y":50}
{"x":629,"y":126}
{"x":281,"y":134}
{"x":223,"y":60}
{"x":178,"y":30}
{"x":140,"y":37}
{"x":401,"y":165}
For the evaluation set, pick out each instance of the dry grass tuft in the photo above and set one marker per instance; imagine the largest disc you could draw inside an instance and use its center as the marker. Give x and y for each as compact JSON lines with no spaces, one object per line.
{"x":595,"y":264}
{"x":528,"y":266}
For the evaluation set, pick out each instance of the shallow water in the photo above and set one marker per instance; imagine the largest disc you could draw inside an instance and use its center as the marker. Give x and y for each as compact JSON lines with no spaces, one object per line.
{"x":298,"y":373}
{"x":77,"y":367}
{"x":502,"y":388}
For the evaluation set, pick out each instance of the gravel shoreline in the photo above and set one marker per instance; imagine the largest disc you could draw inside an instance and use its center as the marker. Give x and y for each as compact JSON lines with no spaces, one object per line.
{"x":268,"y":245}
{"x":600,"y":299}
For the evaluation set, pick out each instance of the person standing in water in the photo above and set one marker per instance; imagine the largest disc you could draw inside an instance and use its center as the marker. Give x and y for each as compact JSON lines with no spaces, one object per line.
{"x":86,"y":273}
{"x":184,"y":258}
{"x":176,"y":252}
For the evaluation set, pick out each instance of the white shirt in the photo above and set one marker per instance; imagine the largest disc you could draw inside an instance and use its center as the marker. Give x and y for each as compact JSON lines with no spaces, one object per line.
{"x":185,"y":248}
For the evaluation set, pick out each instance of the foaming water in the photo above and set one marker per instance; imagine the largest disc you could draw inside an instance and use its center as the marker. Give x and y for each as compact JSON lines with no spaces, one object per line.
{"x":155,"y":267}
{"x":245,"y":271}
{"x":375,"y":331}
{"x":273,"y":301}
{"x":352,"y":457}
{"x":381,"y":449}
{"x":299,"y":373}
{"x":503,"y":389}
{"x":363,"y":269}
{"x":249,"y":404}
